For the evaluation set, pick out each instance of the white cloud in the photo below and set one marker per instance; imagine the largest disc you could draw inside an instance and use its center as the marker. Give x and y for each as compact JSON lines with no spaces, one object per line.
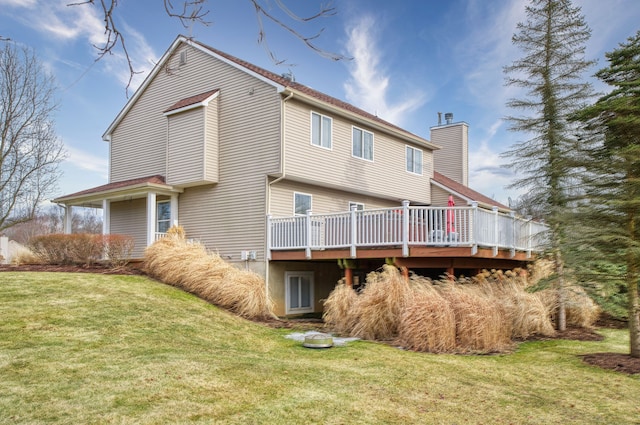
{"x":369,"y":86}
{"x":83,"y":22}
{"x":87,"y":161}
{"x":19,"y":3}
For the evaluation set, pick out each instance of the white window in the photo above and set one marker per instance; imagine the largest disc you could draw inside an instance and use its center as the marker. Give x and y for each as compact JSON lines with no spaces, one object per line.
{"x":414,"y":160}
{"x":163,"y":216}
{"x":362,"y":144}
{"x":301,"y":203}
{"x":320,"y":130}
{"x":299,"y":292}
{"x":357,"y":205}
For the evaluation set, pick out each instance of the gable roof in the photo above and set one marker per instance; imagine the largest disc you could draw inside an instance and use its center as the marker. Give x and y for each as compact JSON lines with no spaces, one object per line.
{"x":282,"y":84}
{"x":465,"y":192}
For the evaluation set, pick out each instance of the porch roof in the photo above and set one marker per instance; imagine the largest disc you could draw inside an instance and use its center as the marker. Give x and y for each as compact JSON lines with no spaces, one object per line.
{"x":126,"y":189}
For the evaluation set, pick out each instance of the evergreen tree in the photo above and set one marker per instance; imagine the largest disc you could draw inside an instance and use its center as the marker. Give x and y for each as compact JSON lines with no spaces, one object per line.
{"x":610,"y":228}
{"x":553,"y":41}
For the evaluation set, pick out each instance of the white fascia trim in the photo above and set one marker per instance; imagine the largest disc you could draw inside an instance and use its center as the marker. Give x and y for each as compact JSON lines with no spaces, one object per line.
{"x":194,"y":105}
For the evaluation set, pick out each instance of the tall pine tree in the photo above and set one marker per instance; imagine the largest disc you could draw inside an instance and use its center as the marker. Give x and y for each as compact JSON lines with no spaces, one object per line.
{"x":608,"y":215}
{"x":553,"y":41}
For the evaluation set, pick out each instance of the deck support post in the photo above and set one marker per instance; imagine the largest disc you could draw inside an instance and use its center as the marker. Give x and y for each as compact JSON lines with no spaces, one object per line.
{"x":405,"y":273}
{"x":451,"y":273}
{"x":348,"y":277}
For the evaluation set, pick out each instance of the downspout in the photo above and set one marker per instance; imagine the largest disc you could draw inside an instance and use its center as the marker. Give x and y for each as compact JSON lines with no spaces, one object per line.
{"x":283,"y":174}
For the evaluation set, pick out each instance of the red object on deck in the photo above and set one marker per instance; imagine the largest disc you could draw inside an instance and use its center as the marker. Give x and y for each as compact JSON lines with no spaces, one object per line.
{"x":451,"y":215}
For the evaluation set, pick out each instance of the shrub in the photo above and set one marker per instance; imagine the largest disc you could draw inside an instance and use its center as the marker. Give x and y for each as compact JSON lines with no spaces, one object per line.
{"x":189,"y":266}
{"x":77,"y":248}
{"x":118,"y":249}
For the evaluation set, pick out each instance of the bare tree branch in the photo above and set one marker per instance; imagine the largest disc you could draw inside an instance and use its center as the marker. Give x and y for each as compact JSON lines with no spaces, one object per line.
{"x":194,"y":11}
{"x":325,"y":11}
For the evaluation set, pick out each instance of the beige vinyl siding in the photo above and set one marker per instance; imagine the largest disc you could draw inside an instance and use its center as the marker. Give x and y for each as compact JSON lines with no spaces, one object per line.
{"x":323,"y":200}
{"x":211,"y":149}
{"x":130,"y":218}
{"x":230,"y":216}
{"x":452,"y":159}
{"x":384,"y":177}
{"x":440,"y":197}
{"x":187,"y":146}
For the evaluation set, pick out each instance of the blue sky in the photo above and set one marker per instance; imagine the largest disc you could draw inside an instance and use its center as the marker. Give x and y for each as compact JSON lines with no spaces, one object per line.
{"x":411,"y":60}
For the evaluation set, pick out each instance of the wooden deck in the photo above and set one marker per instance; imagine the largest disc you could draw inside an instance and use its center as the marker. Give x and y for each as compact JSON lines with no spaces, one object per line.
{"x":413,"y":237}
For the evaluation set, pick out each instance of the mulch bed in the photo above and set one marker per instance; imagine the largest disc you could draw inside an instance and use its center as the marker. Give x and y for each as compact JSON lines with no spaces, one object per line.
{"x":623,"y":363}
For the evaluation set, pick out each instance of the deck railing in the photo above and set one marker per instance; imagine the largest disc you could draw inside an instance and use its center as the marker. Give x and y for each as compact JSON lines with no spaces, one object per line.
{"x":406,"y":226}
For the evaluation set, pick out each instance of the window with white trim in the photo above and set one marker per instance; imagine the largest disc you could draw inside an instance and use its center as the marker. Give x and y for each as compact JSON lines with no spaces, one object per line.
{"x":362,"y":144}
{"x":357,"y":205}
{"x":301,"y":203}
{"x":163,"y":216}
{"x":299,"y":292}
{"x":414,"y":160}
{"x":321,"y":130}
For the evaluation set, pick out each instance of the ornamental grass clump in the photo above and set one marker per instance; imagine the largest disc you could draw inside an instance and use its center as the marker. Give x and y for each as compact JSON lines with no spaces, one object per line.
{"x":526,"y":313}
{"x":338,"y":308}
{"x":186,"y":265}
{"x":376,"y":314}
{"x":427,"y":323}
{"x":481,"y":323}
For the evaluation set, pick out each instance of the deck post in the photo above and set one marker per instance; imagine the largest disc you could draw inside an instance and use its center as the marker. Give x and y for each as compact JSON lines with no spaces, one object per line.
{"x":307,"y":250}
{"x":496,"y":232}
{"x":354,"y":231}
{"x":269,"y":245}
{"x":472,"y":235}
{"x":512,"y":214}
{"x":405,"y":228}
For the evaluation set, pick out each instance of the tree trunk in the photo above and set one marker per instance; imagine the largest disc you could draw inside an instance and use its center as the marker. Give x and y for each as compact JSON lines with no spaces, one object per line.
{"x":634,"y":307}
{"x":561,"y":318}
{"x":634,"y":319}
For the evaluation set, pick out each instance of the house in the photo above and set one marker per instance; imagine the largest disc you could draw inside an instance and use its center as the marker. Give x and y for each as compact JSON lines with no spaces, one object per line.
{"x":298,"y":186}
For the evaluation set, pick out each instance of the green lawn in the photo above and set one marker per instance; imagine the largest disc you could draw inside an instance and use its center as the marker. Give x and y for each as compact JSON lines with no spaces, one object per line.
{"x":96,"y":349}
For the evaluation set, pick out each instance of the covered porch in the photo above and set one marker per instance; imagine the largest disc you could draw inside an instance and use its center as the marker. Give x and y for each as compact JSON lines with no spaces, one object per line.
{"x":158,"y":208}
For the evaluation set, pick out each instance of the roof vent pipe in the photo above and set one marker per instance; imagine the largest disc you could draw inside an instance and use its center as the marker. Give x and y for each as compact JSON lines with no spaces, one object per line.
{"x":439,"y":118}
{"x":448,"y":117}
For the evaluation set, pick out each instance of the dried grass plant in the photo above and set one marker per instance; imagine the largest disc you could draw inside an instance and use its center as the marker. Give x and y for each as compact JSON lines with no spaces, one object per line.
{"x":338,"y":308}
{"x":189,"y":266}
{"x":380,"y":305}
{"x":427,"y":323}
{"x":23,"y":255}
{"x":481,"y":323}
{"x":526,"y":313}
